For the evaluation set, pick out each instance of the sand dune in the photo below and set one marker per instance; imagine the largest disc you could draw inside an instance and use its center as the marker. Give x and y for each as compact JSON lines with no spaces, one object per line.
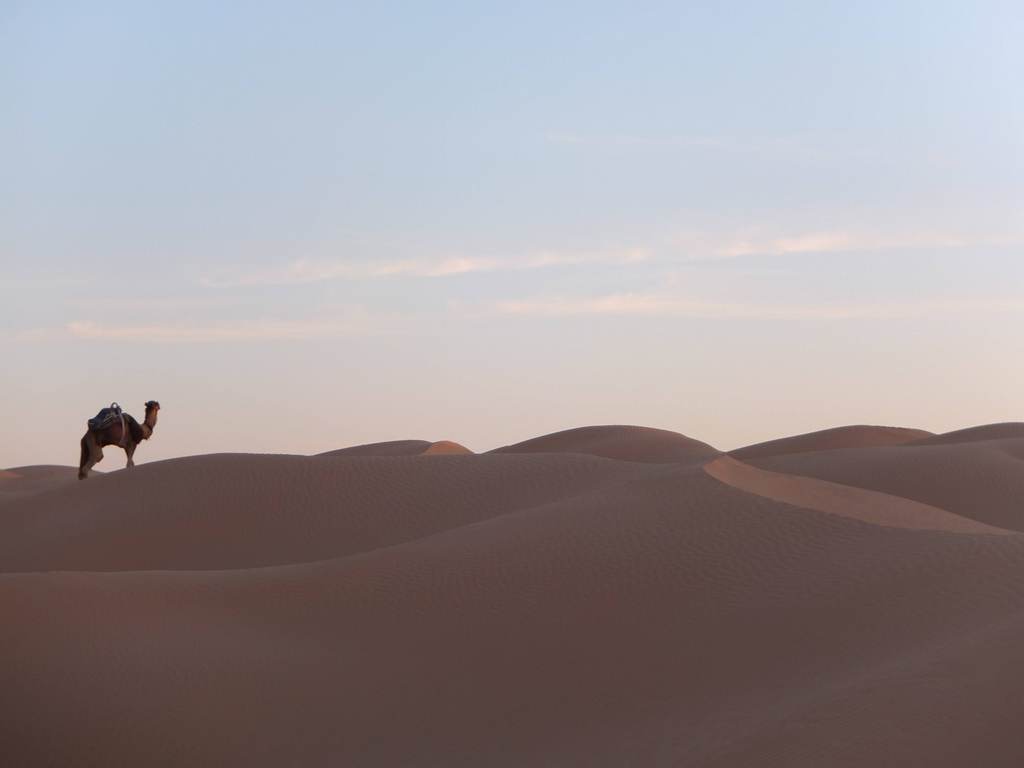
{"x":860,"y":436}
{"x":20,"y":482}
{"x":1013,"y":430}
{"x":242,"y":511}
{"x":390,"y":448}
{"x":844,"y":500}
{"x":445,"y":448}
{"x":401,"y":448}
{"x":503,"y":610}
{"x":982,"y":480}
{"x":625,"y":443}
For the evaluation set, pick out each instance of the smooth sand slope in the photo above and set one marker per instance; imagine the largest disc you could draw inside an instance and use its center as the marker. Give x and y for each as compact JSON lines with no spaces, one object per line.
{"x":1005,"y":431}
{"x":981,"y":478}
{"x":556,"y":609}
{"x":246,"y":511}
{"x":400,"y":448}
{"x":625,"y":443}
{"x":445,"y":448}
{"x":843,"y":500}
{"x":857,"y":436}
{"x":26,"y":481}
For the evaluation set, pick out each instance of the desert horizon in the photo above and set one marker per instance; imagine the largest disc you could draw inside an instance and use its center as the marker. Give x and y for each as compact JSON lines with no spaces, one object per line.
{"x":600,"y":596}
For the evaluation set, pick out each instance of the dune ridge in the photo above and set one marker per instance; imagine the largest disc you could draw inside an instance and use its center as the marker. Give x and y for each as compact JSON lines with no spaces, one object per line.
{"x":401,"y":448}
{"x":625,"y":443}
{"x":445,"y":448}
{"x":388,"y":448}
{"x":21,"y":482}
{"x":857,"y":436}
{"x":1012,"y":430}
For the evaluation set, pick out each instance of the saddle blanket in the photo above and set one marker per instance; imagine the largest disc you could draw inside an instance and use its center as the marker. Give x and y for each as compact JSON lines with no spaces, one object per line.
{"x":106,"y":417}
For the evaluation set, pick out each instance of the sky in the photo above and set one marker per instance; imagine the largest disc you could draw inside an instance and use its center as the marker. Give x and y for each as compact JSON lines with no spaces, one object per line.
{"x":301,"y":226}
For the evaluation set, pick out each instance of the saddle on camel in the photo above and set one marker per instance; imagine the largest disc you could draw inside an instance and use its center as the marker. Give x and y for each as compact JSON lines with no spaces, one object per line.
{"x":112,"y":426}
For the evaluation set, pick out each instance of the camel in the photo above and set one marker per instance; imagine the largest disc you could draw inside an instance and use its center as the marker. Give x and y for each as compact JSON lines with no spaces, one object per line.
{"x":114,"y":427}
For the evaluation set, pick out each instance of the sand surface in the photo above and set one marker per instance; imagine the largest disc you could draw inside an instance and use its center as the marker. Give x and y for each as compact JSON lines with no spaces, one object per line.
{"x":445,"y":447}
{"x":27,"y":481}
{"x":860,"y":436}
{"x":552,"y":608}
{"x":401,"y":448}
{"x":843,"y":500}
{"x":1004,"y":431}
{"x":625,"y":443}
{"x":980,"y":478}
{"x":389,"y":448}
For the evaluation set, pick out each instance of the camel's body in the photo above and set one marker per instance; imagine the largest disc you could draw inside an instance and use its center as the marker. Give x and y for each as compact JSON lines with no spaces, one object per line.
{"x":125,"y":433}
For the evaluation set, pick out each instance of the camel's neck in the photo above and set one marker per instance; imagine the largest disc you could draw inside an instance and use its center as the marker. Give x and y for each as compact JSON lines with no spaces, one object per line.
{"x":149,"y":424}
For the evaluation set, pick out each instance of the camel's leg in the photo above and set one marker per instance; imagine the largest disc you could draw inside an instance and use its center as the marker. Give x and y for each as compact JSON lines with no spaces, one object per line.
{"x":83,"y":457}
{"x":91,"y":455}
{"x":130,"y":452}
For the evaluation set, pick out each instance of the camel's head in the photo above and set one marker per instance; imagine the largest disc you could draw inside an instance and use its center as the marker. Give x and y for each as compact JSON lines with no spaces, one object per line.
{"x":152,"y":405}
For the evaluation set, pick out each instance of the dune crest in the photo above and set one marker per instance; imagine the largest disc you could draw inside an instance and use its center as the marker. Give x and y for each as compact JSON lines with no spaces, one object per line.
{"x":401,"y":448}
{"x":20,"y":482}
{"x":857,"y":436}
{"x":625,"y":443}
{"x":388,"y":448}
{"x":1009,"y":430}
{"x":445,"y":447}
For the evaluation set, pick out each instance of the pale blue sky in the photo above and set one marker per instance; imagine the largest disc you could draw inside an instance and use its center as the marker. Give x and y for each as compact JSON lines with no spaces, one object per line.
{"x":443,"y":220}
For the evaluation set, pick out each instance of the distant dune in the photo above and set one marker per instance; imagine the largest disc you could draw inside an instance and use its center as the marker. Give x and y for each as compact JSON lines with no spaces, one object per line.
{"x":982,"y":480}
{"x":390,"y":448}
{"x":625,"y":443}
{"x":19,"y":482}
{"x":401,"y":448}
{"x":844,"y":500}
{"x":1013,"y":430}
{"x":445,"y":447}
{"x":859,"y":436}
{"x":544,"y":604}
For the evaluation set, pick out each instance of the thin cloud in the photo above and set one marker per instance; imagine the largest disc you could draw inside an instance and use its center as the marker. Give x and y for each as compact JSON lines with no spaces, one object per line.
{"x":699,"y":247}
{"x":271,"y":330}
{"x":835,"y":242}
{"x":660,"y":305}
{"x":36,"y":335}
{"x":310,"y":271}
{"x":168,"y":304}
{"x":687,"y":248}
